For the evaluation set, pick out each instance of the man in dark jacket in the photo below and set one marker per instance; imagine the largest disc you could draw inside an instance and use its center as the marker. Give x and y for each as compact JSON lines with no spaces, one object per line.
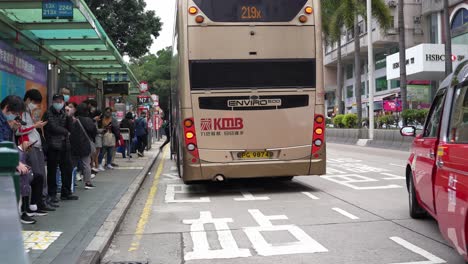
{"x":82,"y":137}
{"x":57,"y":133}
{"x":128,"y":124}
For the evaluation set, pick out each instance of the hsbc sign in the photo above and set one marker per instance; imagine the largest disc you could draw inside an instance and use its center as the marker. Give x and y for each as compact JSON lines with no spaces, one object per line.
{"x":425,"y":62}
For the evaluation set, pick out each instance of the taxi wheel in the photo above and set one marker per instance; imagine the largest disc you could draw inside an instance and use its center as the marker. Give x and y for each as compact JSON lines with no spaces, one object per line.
{"x":415,"y":209}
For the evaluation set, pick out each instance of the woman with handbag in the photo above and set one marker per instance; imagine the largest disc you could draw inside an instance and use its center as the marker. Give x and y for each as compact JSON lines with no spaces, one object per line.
{"x":83,"y":146}
{"x":109,"y":139}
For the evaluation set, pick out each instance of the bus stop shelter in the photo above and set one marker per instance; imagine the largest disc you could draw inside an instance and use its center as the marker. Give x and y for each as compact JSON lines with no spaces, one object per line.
{"x":72,"y":41}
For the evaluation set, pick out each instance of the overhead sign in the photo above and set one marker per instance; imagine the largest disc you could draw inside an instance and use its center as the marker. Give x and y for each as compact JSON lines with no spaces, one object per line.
{"x":425,"y":61}
{"x":57,"y":9}
{"x":143,"y":87}
{"x":116,"y":88}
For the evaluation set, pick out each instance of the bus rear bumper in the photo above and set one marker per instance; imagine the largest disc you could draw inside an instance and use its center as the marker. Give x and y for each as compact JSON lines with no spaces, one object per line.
{"x":249,"y":169}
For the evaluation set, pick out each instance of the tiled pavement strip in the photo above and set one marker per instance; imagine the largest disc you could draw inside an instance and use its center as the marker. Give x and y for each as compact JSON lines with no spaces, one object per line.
{"x":63,"y":235}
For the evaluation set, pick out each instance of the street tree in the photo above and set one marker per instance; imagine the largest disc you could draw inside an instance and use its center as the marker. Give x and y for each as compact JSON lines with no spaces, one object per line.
{"x":349,"y":12}
{"x":332,"y":37}
{"x":156,"y":69}
{"x":129,"y":26}
{"x":402,"y":45}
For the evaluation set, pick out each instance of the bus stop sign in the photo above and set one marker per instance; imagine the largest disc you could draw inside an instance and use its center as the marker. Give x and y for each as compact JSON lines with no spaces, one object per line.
{"x":57,"y":9}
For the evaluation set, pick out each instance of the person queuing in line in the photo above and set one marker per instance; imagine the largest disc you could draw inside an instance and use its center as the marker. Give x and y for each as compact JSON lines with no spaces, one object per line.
{"x":11,"y":108}
{"x":127,"y":123}
{"x":70,"y":110}
{"x":29,"y":132}
{"x":110,"y":135}
{"x":82,"y":138}
{"x":95,"y":114}
{"x":66,"y":94}
{"x":57,"y":132}
{"x":141,"y":131}
{"x":167,"y":131}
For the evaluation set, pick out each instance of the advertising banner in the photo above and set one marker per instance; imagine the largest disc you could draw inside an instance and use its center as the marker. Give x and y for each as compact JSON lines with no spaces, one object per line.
{"x":20,"y":73}
{"x":392,"y":105}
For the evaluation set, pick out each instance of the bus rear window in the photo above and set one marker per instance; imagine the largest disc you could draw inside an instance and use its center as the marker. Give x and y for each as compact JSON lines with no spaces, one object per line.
{"x":251,"y":10}
{"x":245,"y":74}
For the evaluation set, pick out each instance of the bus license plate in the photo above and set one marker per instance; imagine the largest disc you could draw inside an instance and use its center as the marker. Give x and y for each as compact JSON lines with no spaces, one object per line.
{"x":255,"y":155}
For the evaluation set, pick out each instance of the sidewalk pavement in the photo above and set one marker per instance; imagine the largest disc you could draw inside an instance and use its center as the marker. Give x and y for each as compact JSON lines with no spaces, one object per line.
{"x":63,"y":235}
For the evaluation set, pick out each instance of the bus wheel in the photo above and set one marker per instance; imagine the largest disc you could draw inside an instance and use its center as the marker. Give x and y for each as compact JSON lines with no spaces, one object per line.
{"x":286,"y":178}
{"x":415,"y":209}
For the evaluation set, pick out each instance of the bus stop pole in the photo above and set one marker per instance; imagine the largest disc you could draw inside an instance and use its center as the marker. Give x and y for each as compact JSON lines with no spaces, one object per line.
{"x":371,"y":65}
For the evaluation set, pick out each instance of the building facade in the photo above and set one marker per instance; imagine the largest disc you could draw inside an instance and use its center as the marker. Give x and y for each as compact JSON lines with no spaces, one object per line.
{"x":385,"y":43}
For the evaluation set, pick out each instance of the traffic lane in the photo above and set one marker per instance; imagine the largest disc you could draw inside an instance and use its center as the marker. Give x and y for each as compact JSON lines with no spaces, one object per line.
{"x":365,"y":178}
{"x":239,"y":196}
{"x":161,"y":238}
{"x":350,"y":243}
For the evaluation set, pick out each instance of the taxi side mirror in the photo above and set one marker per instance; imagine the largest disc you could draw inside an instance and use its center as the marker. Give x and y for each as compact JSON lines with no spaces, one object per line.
{"x":409,"y":131}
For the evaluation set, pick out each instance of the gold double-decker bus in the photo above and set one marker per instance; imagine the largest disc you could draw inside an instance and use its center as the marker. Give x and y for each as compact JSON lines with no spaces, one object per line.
{"x":247,"y":89}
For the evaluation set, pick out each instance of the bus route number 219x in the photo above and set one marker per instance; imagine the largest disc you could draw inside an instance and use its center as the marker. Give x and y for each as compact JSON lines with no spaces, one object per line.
{"x":251,"y":12}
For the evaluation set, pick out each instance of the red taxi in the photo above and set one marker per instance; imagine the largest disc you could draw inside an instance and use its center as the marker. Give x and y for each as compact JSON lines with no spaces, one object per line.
{"x":437,"y":170}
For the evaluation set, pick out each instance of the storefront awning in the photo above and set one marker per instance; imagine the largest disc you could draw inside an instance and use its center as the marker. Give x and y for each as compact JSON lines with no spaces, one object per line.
{"x":79,"y":43}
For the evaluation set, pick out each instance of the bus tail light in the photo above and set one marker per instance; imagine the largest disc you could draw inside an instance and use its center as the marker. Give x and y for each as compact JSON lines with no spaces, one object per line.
{"x":193,"y":10}
{"x":319,"y":133}
{"x":309,"y":10}
{"x":303,"y":19}
{"x":191,"y":138}
{"x":199,"y":19}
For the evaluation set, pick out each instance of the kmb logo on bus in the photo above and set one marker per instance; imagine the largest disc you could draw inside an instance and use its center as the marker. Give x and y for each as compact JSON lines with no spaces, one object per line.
{"x":208,"y":124}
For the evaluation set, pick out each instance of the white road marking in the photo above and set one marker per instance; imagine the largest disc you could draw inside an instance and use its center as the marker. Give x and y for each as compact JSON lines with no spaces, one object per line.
{"x":201,"y":247}
{"x":39,"y":240}
{"x":247,"y":196}
{"x":343,"y":212}
{"x":173,"y":189}
{"x":334,"y":171}
{"x":397,"y":165}
{"x":431,"y":259}
{"x":392,"y":177}
{"x":172,"y":176}
{"x":311,"y":196}
{"x":303,"y":244}
{"x":349,"y":179}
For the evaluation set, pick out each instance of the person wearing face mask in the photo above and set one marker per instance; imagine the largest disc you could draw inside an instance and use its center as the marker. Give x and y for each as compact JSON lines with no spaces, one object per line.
{"x":57,"y":134}
{"x":110,"y":129}
{"x":35,"y":155}
{"x":11,"y":108}
{"x":66,"y":94}
{"x":70,"y":109}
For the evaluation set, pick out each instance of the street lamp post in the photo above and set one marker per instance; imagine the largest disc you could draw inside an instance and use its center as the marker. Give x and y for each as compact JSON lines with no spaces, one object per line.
{"x":370,"y":59}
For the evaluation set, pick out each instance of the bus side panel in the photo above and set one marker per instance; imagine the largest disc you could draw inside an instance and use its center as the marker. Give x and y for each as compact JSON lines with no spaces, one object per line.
{"x":318,"y":161}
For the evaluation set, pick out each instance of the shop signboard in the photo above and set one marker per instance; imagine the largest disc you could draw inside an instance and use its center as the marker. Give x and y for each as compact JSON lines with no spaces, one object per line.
{"x":425,"y":61}
{"x":57,"y":9}
{"x":392,"y":105}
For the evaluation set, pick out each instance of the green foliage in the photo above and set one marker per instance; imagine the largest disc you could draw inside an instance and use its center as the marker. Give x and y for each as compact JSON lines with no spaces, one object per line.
{"x":130,"y":27}
{"x":338,"y":120}
{"x":386,"y":120}
{"x":156,"y":69}
{"x":414,"y":115}
{"x":350,"y":120}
